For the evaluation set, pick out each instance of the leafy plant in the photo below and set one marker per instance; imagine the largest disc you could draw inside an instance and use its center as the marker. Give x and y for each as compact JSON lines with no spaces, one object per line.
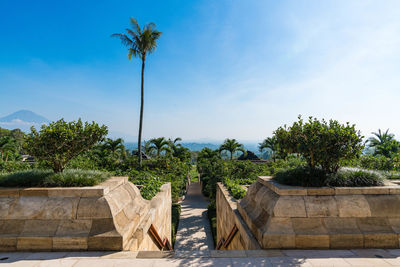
{"x":60,"y":141}
{"x":47,"y":178}
{"x":322,"y":144}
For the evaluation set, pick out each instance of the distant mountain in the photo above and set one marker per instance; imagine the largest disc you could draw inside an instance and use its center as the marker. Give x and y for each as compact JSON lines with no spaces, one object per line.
{"x":22,"y":119}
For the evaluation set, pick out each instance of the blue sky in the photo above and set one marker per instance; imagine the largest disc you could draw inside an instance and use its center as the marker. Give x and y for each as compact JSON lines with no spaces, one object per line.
{"x":236,"y":69}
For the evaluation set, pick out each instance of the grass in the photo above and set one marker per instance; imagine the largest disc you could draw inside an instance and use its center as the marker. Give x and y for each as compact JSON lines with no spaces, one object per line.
{"x":212,"y":216}
{"x":351,"y":177}
{"x":176,"y":213}
{"x":47,"y":178}
{"x":194,"y":175}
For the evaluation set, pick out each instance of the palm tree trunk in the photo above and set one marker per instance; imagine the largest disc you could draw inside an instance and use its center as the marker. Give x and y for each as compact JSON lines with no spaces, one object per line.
{"x":231,"y":155}
{"x":141,"y":112}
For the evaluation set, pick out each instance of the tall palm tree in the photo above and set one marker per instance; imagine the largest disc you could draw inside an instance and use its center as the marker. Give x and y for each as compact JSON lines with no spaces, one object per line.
{"x":232,"y":146}
{"x":140,"y":43}
{"x":159,"y":145}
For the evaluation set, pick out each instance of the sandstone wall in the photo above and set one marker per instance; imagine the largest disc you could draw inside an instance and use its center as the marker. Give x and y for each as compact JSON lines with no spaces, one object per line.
{"x":110,"y":216}
{"x":296,"y":217}
{"x":227,"y":218}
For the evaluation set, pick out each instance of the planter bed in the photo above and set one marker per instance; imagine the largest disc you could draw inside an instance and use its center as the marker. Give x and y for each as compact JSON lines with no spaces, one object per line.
{"x":281,"y":216}
{"x":108,"y":216}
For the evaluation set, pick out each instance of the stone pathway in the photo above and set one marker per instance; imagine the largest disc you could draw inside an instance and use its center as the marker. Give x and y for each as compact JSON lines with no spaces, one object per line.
{"x":250,"y":258}
{"x":194,"y":233}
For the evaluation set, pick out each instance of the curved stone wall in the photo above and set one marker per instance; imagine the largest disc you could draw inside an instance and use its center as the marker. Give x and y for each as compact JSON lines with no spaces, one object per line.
{"x":296,"y":217}
{"x":110,"y":216}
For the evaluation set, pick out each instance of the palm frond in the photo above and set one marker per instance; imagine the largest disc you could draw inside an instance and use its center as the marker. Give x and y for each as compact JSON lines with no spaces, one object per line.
{"x":125,"y":40}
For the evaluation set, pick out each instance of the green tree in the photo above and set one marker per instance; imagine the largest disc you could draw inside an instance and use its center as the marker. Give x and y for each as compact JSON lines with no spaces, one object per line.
{"x":321,"y":143}
{"x":384,"y":143}
{"x":7,"y":145}
{"x":60,"y":141}
{"x":232,"y":146}
{"x":159,"y":145}
{"x":140,"y":43}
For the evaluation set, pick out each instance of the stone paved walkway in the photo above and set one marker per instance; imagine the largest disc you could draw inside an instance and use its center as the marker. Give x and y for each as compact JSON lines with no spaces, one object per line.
{"x":194,"y":233}
{"x":256,"y":258}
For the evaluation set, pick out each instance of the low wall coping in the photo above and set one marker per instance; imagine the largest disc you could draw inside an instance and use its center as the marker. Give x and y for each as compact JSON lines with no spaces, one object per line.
{"x":287,"y":190}
{"x":85,"y":191}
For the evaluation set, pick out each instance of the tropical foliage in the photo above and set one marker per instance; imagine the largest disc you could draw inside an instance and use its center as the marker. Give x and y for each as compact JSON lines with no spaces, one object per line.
{"x":232,"y":146}
{"x":60,"y":141}
{"x":140,"y":42}
{"x":322,"y":144}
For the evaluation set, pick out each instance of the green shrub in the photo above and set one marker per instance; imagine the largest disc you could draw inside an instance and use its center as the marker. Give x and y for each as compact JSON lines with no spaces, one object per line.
{"x":12,"y":166}
{"x":392,"y":175}
{"x":353,"y":178}
{"x":235,"y":189}
{"x":309,"y":177}
{"x":59,"y":142}
{"x":47,"y":178}
{"x":176,"y":212}
{"x":212,"y":216}
{"x":301,"y":176}
{"x":322,"y":144}
{"x":150,"y":184}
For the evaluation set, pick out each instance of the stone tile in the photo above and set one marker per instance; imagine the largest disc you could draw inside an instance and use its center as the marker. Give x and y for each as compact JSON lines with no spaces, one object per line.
{"x":93,"y":207}
{"x":312,"y":241}
{"x":346,"y":241}
{"x":5,"y":204}
{"x":86,"y":254}
{"x":101,"y":263}
{"x":33,"y":192}
{"x":308,"y":226}
{"x":46,"y":255}
{"x":192,"y":253}
{"x":70,"y":243}
{"x":251,"y":262}
{"x":228,"y":253}
{"x":283,"y":241}
{"x":393,"y":252}
{"x":121,"y":255}
{"x":318,"y":253}
{"x":352,"y":206}
{"x":372,"y":253}
{"x":105,"y":242}
{"x":34,"y":243}
{"x":374,"y":225}
{"x":290,"y":206}
{"x":384,"y":205}
{"x":329,"y":262}
{"x":264,"y":253}
{"x":381,"y":240}
{"x":375,"y":190}
{"x":11,"y":228}
{"x":59,"y":208}
{"x":320,"y":191}
{"x":366,"y":262}
{"x":288,"y":261}
{"x":40,"y":228}
{"x":74,"y":228}
{"x":9,"y":192}
{"x":335,"y":225}
{"x":155,"y":254}
{"x":57,"y":263}
{"x":208,"y":262}
{"x":8,"y":243}
{"x":168,"y":262}
{"x":27,"y":208}
{"x":321,"y":206}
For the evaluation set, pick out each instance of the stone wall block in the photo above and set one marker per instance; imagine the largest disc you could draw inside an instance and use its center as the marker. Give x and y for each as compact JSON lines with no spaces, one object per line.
{"x":8,"y":243}
{"x":74,"y":228}
{"x":5,"y":204}
{"x":40,"y":228}
{"x":86,"y":210}
{"x":70,"y":243}
{"x":290,"y":206}
{"x":60,"y":208}
{"x":27,"y":208}
{"x":34,"y":243}
{"x":353,"y":206}
{"x":321,"y":206}
{"x":381,"y":240}
{"x":346,"y":241}
{"x":9,"y":228}
{"x":384,"y":205}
